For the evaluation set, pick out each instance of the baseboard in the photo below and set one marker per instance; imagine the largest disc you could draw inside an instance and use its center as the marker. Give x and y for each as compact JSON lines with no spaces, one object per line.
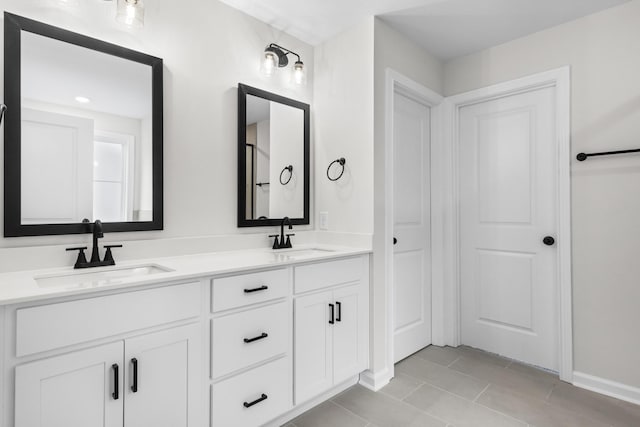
{"x":375,"y":380}
{"x":304,"y":407}
{"x":607,"y":387}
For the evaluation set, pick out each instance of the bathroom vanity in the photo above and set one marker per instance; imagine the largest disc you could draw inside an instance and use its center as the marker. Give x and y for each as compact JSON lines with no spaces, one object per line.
{"x":244,"y":338}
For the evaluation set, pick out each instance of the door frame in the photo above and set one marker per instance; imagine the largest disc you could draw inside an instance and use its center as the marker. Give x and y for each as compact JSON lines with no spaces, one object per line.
{"x":395,"y":83}
{"x":560,"y":79}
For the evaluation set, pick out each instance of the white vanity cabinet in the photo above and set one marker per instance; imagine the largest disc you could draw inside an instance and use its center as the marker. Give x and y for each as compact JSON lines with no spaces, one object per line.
{"x":142,"y":379}
{"x":251,"y":363}
{"x":71,"y":390}
{"x":152,"y":376}
{"x":248,"y":347}
{"x":331,"y":325}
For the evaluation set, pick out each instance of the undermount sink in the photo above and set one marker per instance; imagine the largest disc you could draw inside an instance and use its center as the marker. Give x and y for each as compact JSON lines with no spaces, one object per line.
{"x":301,"y":253}
{"x":102,"y":277}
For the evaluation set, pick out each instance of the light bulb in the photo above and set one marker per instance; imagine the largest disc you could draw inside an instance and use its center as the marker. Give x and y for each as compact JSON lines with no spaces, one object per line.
{"x":130,"y":13}
{"x":299,"y":76}
{"x":270,"y":63}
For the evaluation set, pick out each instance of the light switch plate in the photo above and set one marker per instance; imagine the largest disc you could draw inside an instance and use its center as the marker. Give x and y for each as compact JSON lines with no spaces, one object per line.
{"x":324,"y":220}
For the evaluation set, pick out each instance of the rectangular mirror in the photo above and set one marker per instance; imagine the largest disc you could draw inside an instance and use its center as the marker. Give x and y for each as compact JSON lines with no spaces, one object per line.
{"x":273,"y":158}
{"x":83,"y":133}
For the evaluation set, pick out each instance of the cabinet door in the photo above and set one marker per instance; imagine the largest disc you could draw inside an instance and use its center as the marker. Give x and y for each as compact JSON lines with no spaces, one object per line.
{"x":73,"y":390}
{"x":350,"y":333}
{"x":169,"y":390}
{"x":313,"y":352}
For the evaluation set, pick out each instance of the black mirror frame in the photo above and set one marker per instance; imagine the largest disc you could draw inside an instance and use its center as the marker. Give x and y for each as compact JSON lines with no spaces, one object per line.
{"x":13,"y":25}
{"x":243,"y":91}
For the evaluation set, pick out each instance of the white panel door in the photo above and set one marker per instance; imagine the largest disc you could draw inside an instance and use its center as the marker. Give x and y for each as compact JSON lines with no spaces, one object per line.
{"x":165,"y":391}
{"x":412,"y":228}
{"x":508,"y":176}
{"x":56,"y":168}
{"x":313,"y":346}
{"x":73,"y":390}
{"x":349,"y":330}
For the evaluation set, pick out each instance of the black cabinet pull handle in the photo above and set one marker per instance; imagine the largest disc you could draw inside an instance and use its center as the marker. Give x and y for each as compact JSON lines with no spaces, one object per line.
{"x":259,"y":337}
{"x":134,"y":386}
{"x":395,"y":241}
{"x":258,"y":400}
{"x":261,"y":288}
{"x":333,"y":314}
{"x":339,"y":317}
{"x":116,"y":385}
{"x":548,"y":240}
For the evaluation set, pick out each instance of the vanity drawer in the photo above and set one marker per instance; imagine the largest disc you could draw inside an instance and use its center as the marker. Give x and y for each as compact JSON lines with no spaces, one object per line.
{"x":245,"y":289}
{"x":229,"y":397}
{"x":230,"y":352}
{"x":52,"y":326}
{"x":324,"y":274}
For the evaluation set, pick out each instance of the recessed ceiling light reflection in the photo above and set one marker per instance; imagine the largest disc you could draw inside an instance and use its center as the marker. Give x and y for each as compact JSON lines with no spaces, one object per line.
{"x":82,"y":99}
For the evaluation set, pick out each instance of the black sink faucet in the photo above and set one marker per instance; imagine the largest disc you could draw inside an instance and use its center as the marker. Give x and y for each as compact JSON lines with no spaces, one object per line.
{"x":282,"y":243}
{"x":98,"y":233}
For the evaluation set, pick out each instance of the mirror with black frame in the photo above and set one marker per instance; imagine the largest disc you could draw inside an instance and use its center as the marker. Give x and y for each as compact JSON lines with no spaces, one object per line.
{"x":273,"y":158}
{"x":83,"y":133}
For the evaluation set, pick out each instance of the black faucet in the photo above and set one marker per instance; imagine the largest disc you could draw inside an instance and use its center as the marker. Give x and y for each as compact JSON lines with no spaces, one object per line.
{"x":282,"y":244}
{"x":98,"y":233}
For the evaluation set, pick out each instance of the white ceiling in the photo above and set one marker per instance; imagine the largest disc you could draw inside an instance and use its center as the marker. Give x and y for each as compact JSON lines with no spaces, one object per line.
{"x":445,"y":28}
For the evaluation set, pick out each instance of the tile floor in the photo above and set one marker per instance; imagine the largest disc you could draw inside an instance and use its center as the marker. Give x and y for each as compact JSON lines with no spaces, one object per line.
{"x":463,"y":387}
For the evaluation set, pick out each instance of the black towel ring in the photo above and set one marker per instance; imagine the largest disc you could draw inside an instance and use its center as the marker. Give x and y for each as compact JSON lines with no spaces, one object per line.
{"x":340,"y":161}
{"x":287,"y":168}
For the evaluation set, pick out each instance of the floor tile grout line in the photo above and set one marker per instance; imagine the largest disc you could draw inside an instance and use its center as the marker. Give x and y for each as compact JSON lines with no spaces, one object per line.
{"x":470,"y":401}
{"x":553,"y":387}
{"x":480,"y":394}
{"x":420,"y":409}
{"x":502,"y":413}
{"x":351,"y":412}
{"x":457,"y":358}
{"x":446,"y":367}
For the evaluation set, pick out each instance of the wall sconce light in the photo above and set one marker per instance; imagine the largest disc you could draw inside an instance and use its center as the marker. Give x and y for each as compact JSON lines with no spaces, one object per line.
{"x":275,"y":57}
{"x":130,"y":13}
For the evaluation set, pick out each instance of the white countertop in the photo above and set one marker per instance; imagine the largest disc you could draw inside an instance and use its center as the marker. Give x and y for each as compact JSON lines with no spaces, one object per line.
{"x":22,"y":286}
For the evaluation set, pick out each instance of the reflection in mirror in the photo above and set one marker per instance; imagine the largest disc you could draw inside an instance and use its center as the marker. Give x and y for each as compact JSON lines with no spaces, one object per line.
{"x":273,"y":158}
{"x":273,"y":189}
{"x":84,"y":131}
{"x":86,"y":135}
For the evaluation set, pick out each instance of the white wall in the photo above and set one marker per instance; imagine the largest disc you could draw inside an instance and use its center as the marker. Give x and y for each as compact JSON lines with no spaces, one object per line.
{"x":207,"y":49}
{"x":395,"y":51}
{"x":343,"y":117}
{"x":603,"y":51}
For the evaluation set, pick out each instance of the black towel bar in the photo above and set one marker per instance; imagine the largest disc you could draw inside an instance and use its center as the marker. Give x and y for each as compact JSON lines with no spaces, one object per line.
{"x":583,"y":156}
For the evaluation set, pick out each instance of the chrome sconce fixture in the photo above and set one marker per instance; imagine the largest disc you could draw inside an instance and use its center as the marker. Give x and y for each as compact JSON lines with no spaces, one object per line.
{"x":275,"y":57}
{"x":130,"y":13}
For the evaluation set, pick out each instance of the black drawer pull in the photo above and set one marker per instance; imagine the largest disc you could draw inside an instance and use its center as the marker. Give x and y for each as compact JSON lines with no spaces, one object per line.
{"x":261,"y":288}
{"x":255,"y":402}
{"x":116,"y":385}
{"x":339,"y":317}
{"x":259,"y":337}
{"x":134,"y":386}
{"x":333,"y":314}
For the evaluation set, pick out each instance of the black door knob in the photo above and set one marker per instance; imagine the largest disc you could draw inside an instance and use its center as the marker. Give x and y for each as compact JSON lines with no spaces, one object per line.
{"x":395,"y":240}
{"x":548,"y":240}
